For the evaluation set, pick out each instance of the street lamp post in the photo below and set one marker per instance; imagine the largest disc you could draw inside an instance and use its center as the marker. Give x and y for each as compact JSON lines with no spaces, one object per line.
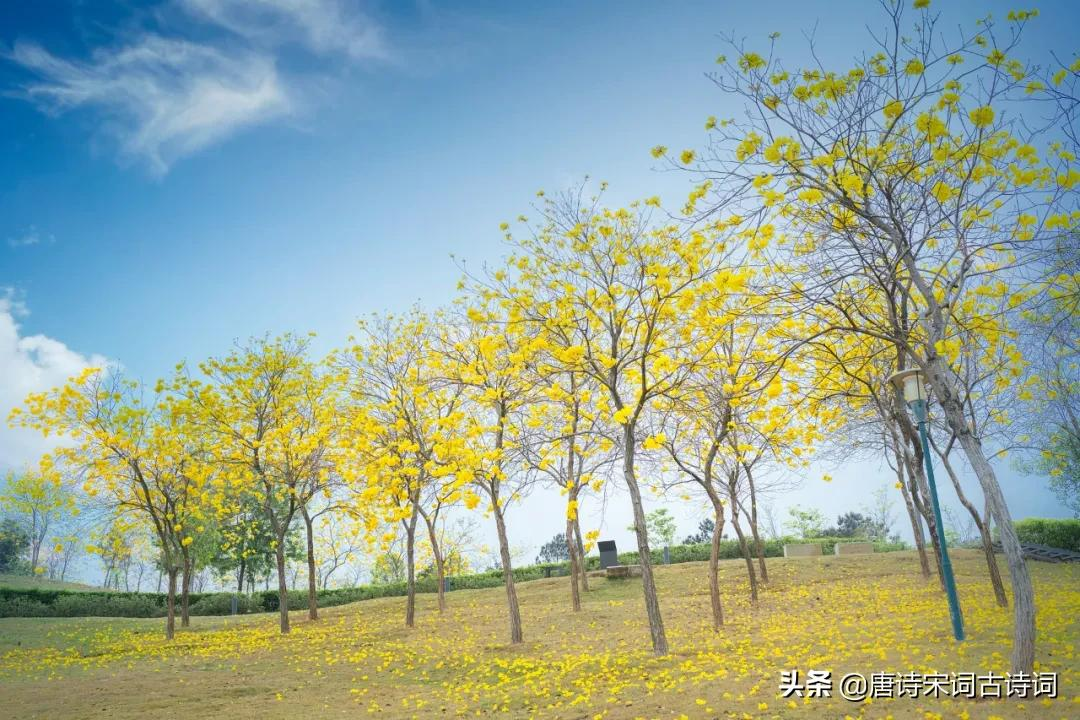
{"x":911,"y":383}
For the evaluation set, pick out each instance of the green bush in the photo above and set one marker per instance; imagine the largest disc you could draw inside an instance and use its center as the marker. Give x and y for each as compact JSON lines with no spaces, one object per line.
{"x":127,"y":605}
{"x":21,"y":606}
{"x":34,"y":602}
{"x":221,"y":604}
{"x":1063,"y":534}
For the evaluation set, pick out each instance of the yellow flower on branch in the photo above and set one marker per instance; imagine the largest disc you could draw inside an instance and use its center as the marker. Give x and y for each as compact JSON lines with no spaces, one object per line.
{"x":981,"y":116}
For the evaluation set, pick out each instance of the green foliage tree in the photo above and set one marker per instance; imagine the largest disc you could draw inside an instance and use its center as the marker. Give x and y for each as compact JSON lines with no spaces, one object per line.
{"x":388,"y":568}
{"x":857,"y":525}
{"x":245,"y":546}
{"x":554,"y":550}
{"x":14,"y":543}
{"x":808,"y":523}
{"x":704,"y":532}
{"x":661,"y":527}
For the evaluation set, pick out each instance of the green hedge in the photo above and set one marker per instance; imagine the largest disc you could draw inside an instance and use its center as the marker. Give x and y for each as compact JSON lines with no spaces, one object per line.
{"x":1064,"y":534}
{"x":39,"y":602}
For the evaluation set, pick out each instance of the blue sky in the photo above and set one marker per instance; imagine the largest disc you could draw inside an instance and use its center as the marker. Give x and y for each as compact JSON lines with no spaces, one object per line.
{"x":179,"y":174}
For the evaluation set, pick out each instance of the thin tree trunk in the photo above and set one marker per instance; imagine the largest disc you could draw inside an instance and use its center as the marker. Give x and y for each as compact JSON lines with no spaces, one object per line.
{"x":916,"y":526}
{"x":283,"y":589}
{"x":508,"y":574}
{"x":581,"y":555}
{"x":921,"y":499}
{"x":648,"y":582}
{"x":185,"y":618}
{"x":745,"y":547}
{"x":240,"y":576}
{"x":988,"y":546}
{"x":410,"y":569}
{"x":571,"y":547}
{"x":440,"y":576}
{"x":991,"y":564}
{"x":714,"y":565}
{"x":440,"y":561}
{"x":572,"y":478}
{"x":492,"y":488}
{"x":312,"y":590}
{"x":170,"y":616}
{"x":759,"y":546}
{"x":984,"y":530}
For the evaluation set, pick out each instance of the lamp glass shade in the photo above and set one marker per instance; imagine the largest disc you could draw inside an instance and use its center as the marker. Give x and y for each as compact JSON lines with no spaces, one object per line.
{"x":913,"y":388}
{"x":911,"y":383}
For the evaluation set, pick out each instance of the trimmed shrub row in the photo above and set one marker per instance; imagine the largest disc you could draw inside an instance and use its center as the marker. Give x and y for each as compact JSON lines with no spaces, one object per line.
{"x":1063,"y":534}
{"x":40,"y":602}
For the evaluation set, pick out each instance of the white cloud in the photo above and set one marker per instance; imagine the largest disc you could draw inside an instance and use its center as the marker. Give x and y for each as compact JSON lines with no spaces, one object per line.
{"x":163,"y":99}
{"x":322,"y":26}
{"x":164,"y":96}
{"x":30,"y":236}
{"x":31,"y":363}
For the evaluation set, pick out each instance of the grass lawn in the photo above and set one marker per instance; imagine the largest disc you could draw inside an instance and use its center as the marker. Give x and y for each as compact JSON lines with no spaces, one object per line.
{"x":851,"y":614}
{"x":24,"y":582}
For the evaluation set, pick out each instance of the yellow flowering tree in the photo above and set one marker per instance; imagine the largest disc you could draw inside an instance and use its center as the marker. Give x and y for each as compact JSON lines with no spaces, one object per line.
{"x":850,"y":375}
{"x":137,"y":455}
{"x":43,"y":497}
{"x":401,"y":438}
{"x":266,"y":413}
{"x":486,"y":359}
{"x":565,"y":441}
{"x":610,"y":292}
{"x":1049,"y":417}
{"x":908,"y":171}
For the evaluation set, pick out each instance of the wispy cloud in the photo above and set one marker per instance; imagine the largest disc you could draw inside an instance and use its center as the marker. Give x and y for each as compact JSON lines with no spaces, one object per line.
{"x":322,"y":26}
{"x":29,"y":236}
{"x":162,"y":97}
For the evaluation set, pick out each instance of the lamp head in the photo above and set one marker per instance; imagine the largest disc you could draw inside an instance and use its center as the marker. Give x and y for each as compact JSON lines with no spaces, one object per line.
{"x":911,"y":383}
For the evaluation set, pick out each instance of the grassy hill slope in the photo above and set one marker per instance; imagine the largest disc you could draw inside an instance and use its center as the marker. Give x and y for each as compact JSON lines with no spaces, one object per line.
{"x":22,"y":582}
